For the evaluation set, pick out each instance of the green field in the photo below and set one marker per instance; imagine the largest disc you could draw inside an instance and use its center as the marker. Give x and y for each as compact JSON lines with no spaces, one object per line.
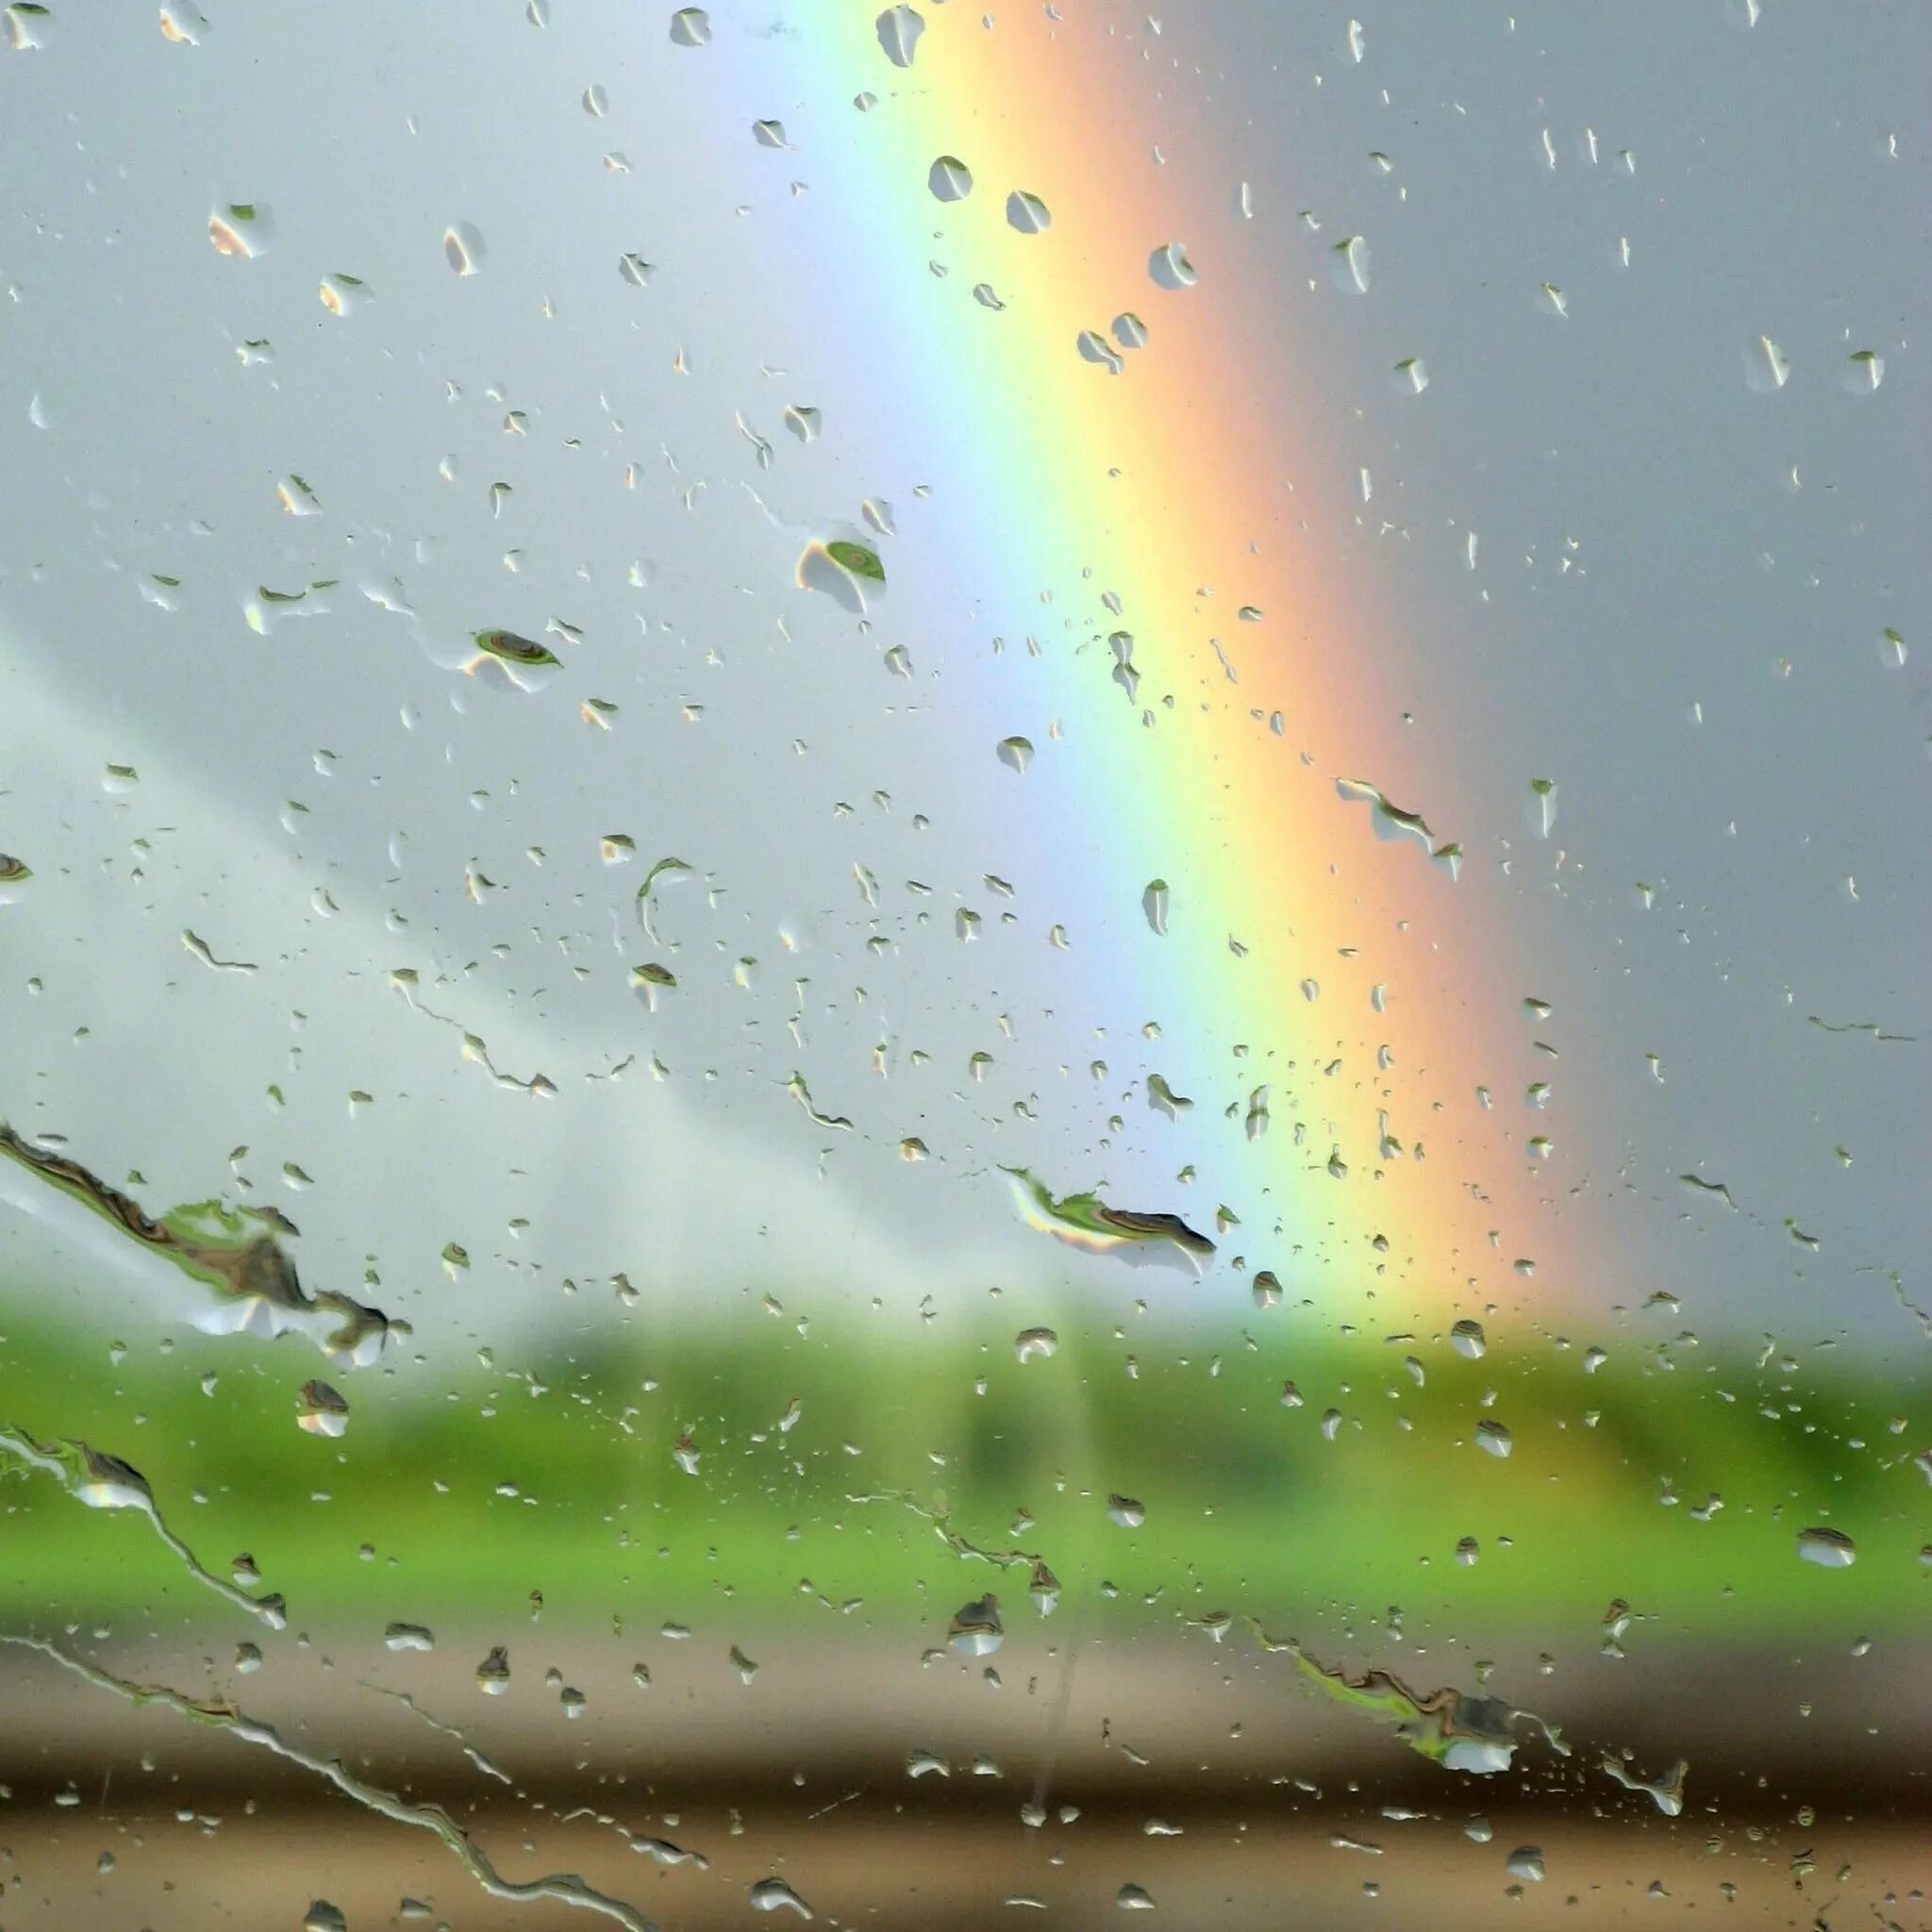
{"x":554,"y":1472}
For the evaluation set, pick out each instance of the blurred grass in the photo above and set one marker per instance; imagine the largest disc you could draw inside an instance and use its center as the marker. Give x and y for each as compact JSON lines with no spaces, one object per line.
{"x":1249,"y":1508}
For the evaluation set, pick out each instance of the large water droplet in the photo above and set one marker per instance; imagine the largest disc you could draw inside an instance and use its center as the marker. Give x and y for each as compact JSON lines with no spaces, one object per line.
{"x":949,"y":178}
{"x":1027,"y":213}
{"x":899,"y":29}
{"x":1830,"y":1549}
{"x":1170,"y":267}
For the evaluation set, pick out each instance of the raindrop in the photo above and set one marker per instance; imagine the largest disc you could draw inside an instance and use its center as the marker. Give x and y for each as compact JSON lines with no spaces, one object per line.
{"x":1864,"y":372}
{"x":1830,"y":1549}
{"x":1766,"y":369}
{"x":1036,"y":1345}
{"x":1016,"y":754}
{"x":245,"y":228}
{"x":183,"y":25}
{"x":1412,"y":379}
{"x":1027,"y":213}
{"x":769,"y":133}
{"x":1542,"y":806}
{"x":1467,"y":1551}
{"x":492,"y":1673}
{"x":1130,"y":331}
{"x":409,"y":1636}
{"x":1094,"y":347}
{"x":1170,"y":267}
{"x":803,"y":421}
{"x":1493,"y":1438}
{"x":321,"y":1412}
{"x":1134,"y":1898}
{"x":1348,"y":265}
{"x":975,"y":1629}
{"x":462,"y":248}
{"x":324,"y":1917}
{"x":1525,"y":1861}
{"x":1468,"y":1340}
{"x":774,"y":1894}
{"x":899,"y":29}
{"x":1153,"y":904}
{"x":596,"y":101}
{"x":691,"y":27}
{"x":636,"y":270}
{"x":983,"y":294}
{"x":949,"y":178}
{"x":1127,"y":1512}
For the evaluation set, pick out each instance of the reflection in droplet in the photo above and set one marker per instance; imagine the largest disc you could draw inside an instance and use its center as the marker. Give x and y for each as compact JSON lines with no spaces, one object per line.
{"x":899,"y":29}
{"x":321,"y":1410}
{"x":949,"y":178}
{"x":1171,"y":269}
{"x":462,"y":248}
{"x":1036,"y":1345}
{"x":1348,"y":265}
{"x":243,"y":228}
{"x":1830,"y":1549}
{"x":774,"y":1894}
{"x":1094,"y":347}
{"x":1766,"y":368}
{"x":975,"y":1629}
{"x":1027,"y":213}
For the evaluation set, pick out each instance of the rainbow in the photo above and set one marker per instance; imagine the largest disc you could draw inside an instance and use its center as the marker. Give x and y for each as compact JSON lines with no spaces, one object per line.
{"x":1198,"y":682}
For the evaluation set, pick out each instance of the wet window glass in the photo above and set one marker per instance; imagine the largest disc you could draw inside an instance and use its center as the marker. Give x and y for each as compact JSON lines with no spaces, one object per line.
{"x":963,"y":964}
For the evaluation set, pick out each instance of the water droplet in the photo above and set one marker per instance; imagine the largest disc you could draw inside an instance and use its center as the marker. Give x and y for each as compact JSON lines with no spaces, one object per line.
{"x":1134,"y":1898}
{"x":596,"y":101}
{"x":492,"y":1673}
{"x":1467,"y":1551}
{"x":975,"y":1629}
{"x":1864,"y":372}
{"x":243,"y":228}
{"x":1412,"y":379}
{"x":1027,"y":213}
{"x":899,"y":29}
{"x":636,"y":270}
{"x":769,"y":133}
{"x":1036,"y":1345}
{"x":324,"y":1917}
{"x":1349,"y":265}
{"x":1130,"y":331}
{"x":1171,"y":269}
{"x":183,"y":25}
{"x":691,"y":27}
{"x":1126,"y":1512}
{"x":463,"y":249}
{"x":685,"y":1453}
{"x":983,"y":294}
{"x":1094,"y":347}
{"x":1766,"y":369}
{"x":1493,"y":1438}
{"x":1526,"y":1862}
{"x":342,"y":293}
{"x":1830,"y":1549}
{"x":949,"y":178}
{"x":1153,"y":904}
{"x":1541,"y":810}
{"x":1468,"y":1340}
{"x":409,"y":1636}
{"x":774,"y":1894}
{"x":1356,"y":43}
{"x":1016,"y":753}
{"x":321,"y":1412}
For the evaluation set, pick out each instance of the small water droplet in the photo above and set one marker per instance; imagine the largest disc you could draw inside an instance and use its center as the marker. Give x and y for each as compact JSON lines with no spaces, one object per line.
{"x":949,"y":178}
{"x":975,"y":1629}
{"x":1036,"y":1345}
{"x":1153,"y":904}
{"x":1830,"y":1549}
{"x":1027,"y":213}
{"x":691,"y":27}
{"x":1468,"y":1340}
{"x":1493,"y":1438}
{"x":242,"y":229}
{"x":1126,"y":1512}
{"x":462,"y":248}
{"x":492,"y":1673}
{"x":1349,"y":265}
{"x":899,"y":29}
{"x":774,"y":1894}
{"x":1171,"y":269}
